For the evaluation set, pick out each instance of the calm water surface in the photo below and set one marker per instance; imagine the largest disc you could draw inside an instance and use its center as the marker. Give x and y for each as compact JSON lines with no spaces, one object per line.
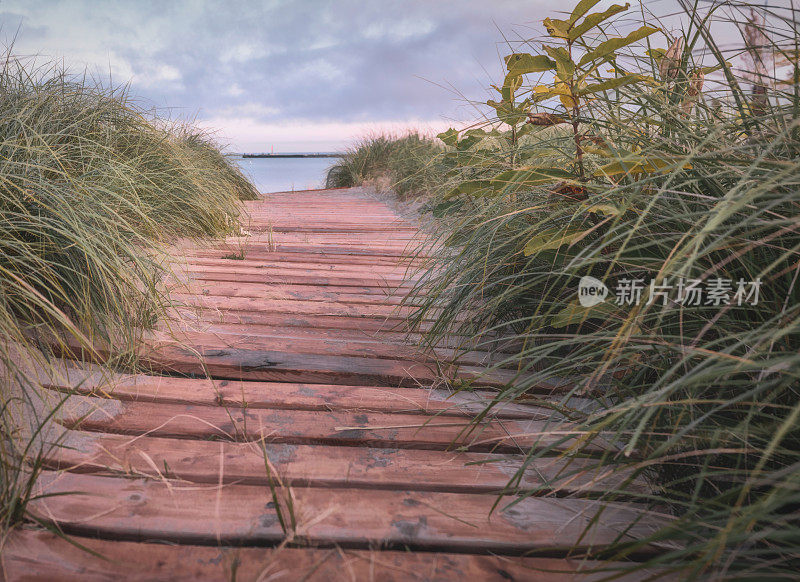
{"x":280,"y":174}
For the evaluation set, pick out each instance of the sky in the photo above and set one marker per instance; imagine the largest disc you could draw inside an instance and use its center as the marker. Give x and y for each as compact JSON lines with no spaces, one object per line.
{"x":306,"y":75}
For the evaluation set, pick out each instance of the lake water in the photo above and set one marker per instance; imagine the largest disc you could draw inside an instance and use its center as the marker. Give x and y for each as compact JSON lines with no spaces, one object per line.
{"x":282,"y":174}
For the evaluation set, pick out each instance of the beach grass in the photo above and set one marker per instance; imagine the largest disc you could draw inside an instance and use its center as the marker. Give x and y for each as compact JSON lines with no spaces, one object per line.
{"x":686,"y":175}
{"x":92,"y":184}
{"x":405,"y":164}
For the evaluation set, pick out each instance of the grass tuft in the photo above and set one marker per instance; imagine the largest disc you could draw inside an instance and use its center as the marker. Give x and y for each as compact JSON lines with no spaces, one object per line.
{"x":91,"y":184}
{"x":406,"y":164}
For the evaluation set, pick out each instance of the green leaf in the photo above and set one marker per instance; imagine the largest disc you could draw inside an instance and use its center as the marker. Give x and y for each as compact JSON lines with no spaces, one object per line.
{"x":510,"y":86}
{"x":553,"y":238}
{"x":523,"y":63}
{"x":557,"y":28}
{"x":473,"y":137}
{"x":610,"y":46}
{"x":582,"y":8}
{"x":510,"y":114}
{"x":613,"y":83}
{"x":449,"y":137}
{"x":468,"y":142}
{"x":511,"y":181}
{"x":576,"y":313}
{"x":594,"y":19}
{"x":529,"y":176}
{"x":565,"y":68}
{"x":482,"y":133}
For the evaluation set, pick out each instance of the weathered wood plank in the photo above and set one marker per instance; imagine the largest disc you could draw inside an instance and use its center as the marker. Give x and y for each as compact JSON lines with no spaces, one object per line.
{"x":278,"y":395}
{"x":259,"y":251}
{"x":172,"y":356}
{"x":340,"y":428}
{"x":328,"y":344}
{"x":211,"y":321}
{"x":298,"y":277}
{"x":245,"y":265}
{"x":38,"y":556}
{"x":244,"y":260}
{"x":250,"y":318}
{"x":140,"y":509}
{"x":290,"y":292}
{"x":296,"y":307}
{"x":330,"y":466}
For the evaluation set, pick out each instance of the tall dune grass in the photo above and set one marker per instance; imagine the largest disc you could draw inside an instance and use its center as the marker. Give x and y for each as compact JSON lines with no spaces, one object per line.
{"x":702,"y":400}
{"x":406,"y":164}
{"x":90,"y":184}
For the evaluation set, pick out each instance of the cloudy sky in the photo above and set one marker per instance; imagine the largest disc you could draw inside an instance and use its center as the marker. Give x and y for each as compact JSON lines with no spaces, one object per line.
{"x":303,"y":75}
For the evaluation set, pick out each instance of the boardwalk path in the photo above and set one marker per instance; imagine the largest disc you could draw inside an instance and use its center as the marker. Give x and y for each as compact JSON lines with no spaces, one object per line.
{"x":316,"y":406}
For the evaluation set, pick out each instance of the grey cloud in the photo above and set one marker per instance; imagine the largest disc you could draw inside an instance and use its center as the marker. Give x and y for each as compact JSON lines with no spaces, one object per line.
{"x":314,"y":60}
{"x":344,"y":60}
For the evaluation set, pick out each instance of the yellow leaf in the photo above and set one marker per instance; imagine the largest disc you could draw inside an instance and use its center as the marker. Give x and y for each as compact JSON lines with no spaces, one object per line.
{"x":557,"y":28}
{"x":567,"y":101}
{"x":607,"y":209}
{"x":598,"y":151}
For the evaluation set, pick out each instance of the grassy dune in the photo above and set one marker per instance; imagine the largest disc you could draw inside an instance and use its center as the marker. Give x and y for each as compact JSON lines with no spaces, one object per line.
{"x":687,"y":172}
{"x":405,"y":164}
{"x":91,"y":184}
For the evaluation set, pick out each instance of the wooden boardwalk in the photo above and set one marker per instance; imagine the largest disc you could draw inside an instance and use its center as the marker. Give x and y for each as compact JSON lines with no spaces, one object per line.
{"x":291,"y":430}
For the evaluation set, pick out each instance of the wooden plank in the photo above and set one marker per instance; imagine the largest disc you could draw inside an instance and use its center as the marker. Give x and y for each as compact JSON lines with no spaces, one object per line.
{"x":367,"y":276}
{"x":233,"y":363}
{"x":323,"y":344}
{"x":229,"y":363}
{"x":352,"y":239}
{"x":217,"y":322}
{"x":296,"y":307}
{"x":344,"y":294}
{"x":249,"y":262}
{"x":328,"y":250}
{"x":265,"y":265}
{"x":342,"y":227}
{"x":288,"y":293}
{"x":238,"y":363}
{"x":340,"y":428}
{"x":226,"y":325}
{"x":31,"y":555}
{"x":250,"y":318}
{"x":297,"y":396}
{"x":330,"y":466}
{"x":260,"y":252}
{"x":143,"y":509}
{"x":302,"y":278}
